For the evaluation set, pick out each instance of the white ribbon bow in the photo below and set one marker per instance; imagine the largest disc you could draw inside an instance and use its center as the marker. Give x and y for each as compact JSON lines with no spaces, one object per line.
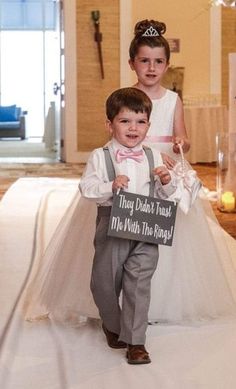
{"x":187,"y":182}
{"x":187,"y":177}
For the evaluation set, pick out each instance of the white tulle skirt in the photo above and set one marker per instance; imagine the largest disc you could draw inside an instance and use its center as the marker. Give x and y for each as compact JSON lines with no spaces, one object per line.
{"x":195,"y":279}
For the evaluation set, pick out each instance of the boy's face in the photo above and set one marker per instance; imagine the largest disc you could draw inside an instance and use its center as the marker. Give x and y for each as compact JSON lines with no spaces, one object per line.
{"x":128,"y":127}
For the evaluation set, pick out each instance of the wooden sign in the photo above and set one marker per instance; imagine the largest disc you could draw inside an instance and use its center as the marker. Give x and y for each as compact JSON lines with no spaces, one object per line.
{"x":142,"y":218}
{"x":174,"y":45}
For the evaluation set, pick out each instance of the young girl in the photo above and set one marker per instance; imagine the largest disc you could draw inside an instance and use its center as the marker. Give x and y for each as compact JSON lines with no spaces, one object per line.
{"x":193,"y":277}
{"x":149,"y":58}
{"x":196,"y":278}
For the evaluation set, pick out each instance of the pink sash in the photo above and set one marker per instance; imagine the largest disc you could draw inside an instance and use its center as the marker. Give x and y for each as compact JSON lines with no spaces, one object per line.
{"x":159,"y":139}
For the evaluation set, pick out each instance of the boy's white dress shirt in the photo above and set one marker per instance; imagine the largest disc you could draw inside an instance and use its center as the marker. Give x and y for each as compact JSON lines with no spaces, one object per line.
{"x":95,"y":184}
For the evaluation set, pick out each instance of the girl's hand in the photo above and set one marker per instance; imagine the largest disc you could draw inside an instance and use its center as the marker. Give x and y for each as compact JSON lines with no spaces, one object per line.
{"x":163,"y":173}
{"x":184,"y":142}
{"x":120,"y":182}
{"x":168,"y":161}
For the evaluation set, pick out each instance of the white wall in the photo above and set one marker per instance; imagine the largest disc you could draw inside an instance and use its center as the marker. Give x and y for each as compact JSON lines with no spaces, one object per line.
{"x":70,"y":153}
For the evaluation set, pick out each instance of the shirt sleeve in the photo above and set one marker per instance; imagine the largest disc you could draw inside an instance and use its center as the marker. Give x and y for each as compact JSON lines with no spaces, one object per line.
{"x":94,"y":183}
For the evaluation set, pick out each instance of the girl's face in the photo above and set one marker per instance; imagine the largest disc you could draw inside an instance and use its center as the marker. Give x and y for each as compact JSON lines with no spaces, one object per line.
{"x":150,"y":65}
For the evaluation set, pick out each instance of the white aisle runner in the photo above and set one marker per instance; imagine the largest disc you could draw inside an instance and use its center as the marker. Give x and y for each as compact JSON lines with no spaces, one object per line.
{"x":48,"y":355}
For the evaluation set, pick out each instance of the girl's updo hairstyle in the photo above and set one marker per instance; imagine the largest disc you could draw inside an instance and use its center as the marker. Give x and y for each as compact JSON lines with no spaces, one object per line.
{"x":151,"y":41}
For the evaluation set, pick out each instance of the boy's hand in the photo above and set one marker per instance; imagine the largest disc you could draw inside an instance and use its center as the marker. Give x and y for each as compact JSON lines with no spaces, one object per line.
{"x":120,"y":182}
{"x":163,"y":174}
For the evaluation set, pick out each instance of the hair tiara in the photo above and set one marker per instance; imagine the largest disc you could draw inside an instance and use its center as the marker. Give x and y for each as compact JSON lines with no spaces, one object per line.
{"x":151,"y":32}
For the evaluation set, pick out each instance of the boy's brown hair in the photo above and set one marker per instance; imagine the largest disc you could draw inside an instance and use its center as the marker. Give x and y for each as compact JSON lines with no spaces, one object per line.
{"x":131,"y":98}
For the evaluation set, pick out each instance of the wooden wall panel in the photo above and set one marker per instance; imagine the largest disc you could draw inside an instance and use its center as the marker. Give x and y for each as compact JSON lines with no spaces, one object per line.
{"x":228,"y":46}
{"x":92,"y":90}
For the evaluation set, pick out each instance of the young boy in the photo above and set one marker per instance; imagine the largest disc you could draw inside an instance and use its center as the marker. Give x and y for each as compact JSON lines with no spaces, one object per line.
{"x":122,"y":264}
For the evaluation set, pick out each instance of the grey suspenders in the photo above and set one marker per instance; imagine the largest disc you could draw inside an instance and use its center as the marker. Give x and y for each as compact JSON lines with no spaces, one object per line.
{"x":109,"y":164}
{"x":111,"y":170}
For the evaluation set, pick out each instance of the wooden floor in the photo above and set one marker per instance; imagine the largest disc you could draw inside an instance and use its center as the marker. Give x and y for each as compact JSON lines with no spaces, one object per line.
{"x":12,"y":171}
{"x":207,"y":173}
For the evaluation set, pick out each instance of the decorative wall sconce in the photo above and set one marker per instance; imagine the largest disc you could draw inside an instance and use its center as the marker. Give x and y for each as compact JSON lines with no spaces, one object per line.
{"x":98,"y":38}
{"x":225,"y":3}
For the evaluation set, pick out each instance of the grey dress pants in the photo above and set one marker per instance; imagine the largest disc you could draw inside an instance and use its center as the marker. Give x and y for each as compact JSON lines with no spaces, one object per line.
{"x":127,"y":266}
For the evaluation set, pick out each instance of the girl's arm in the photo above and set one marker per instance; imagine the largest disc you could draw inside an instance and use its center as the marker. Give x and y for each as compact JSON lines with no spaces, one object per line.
{"x":179,"y":131}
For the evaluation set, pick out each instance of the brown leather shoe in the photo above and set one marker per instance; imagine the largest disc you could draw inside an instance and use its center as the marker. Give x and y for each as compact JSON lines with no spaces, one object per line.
{"x":137,"y":355}
{"x":112,"y":339}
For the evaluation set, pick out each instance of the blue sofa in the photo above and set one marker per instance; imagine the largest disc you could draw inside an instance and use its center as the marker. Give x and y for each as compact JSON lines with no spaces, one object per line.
{"x":12,"y":122}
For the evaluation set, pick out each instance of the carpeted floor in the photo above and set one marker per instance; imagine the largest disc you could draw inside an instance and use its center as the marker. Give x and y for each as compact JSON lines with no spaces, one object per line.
{"x":10,"y":172}
{"x":25,"y":149}
{"x":207,"y":173}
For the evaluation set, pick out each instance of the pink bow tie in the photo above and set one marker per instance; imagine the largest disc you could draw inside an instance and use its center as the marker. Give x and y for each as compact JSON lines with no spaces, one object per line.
{"x":124,"y":154}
